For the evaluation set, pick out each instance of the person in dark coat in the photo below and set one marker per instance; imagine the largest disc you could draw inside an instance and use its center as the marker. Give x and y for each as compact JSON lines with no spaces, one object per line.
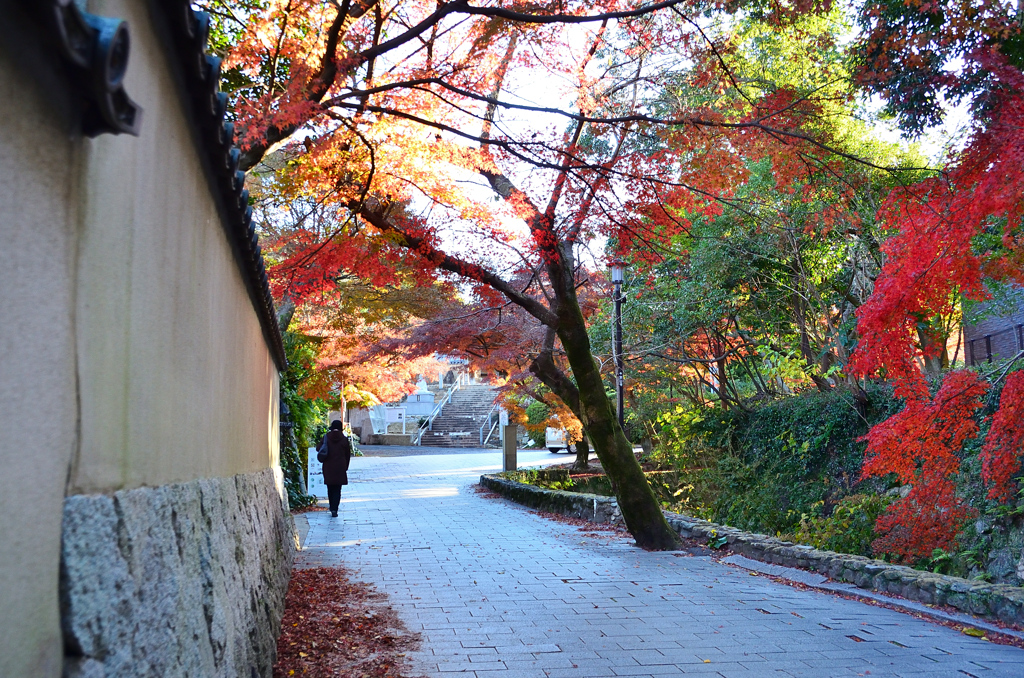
{"x":335,"y":452}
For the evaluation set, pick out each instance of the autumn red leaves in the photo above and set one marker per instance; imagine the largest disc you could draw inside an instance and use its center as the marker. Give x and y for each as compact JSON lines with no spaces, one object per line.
{"x":334,"y":626}
{"x":407,"y":151}
{"x":933,"y":262}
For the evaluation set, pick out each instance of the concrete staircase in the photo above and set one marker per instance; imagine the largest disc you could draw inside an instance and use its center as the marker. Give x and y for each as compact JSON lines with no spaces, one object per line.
{"x":459,"y":423}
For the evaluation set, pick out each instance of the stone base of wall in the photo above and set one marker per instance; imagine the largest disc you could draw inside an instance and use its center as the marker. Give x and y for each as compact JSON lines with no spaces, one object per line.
{"x":992,"y":601}
{"x":179,"y":580}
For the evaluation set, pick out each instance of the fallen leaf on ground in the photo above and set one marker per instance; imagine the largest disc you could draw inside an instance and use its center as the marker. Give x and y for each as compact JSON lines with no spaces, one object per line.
{"x":321,"y":611}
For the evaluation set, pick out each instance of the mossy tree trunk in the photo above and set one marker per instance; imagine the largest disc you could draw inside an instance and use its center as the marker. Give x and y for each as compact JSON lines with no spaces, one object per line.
{"x":640,"y":508}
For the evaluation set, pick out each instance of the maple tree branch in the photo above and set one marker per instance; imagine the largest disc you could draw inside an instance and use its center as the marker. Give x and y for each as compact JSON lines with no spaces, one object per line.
{"x":472,"y":314}
{"x":309,"y":255}
{"x":556,"y":192}
{"x":757,"y":123}
{"x":602,"y":178}
{"x":458,"y":266}
{"x":714,"y":50}
{"x":317,"y":86}
{"x":347,"y":14}
{"x":507,"y":146}
{"x":227,"y":12}
{"x":279,"y":45}
{"x":463,"y":7}
{"x":548,"y":223}
{"x":544,"y":369}
{"x":378,"y":25}
{"x":503,"y":186}
{"x":492,"y":105}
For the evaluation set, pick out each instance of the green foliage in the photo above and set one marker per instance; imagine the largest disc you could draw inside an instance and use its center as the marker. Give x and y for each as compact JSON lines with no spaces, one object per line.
{"x":536,"y":414}
{"x":304,"y":414}
{"x":292,"y":465}
{"x":792,"y":468}
{"x":692,"y":442}
{"x":968,"y":563}
{"x":850,"y":528}
{"x":766,"y":470}
{"x":549,"y":479}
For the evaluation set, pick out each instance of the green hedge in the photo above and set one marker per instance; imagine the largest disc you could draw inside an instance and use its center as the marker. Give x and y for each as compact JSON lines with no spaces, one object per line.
{"x":766,"y":470}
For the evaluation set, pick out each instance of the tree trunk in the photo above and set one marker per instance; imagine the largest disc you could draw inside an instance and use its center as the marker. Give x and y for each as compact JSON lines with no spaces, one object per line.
{"x":544,"y":369}
{"x":932,"y":338}
{"x":582,"y":462}
{"x":285,"y":313}
{"x":805,"y":346}
{"x":640,"y":508}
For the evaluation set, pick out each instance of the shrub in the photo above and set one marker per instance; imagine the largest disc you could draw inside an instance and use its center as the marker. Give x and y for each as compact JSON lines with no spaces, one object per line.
{"x":764,"y":470}
{"x":536,"y":414}
{"x":850,"y":528}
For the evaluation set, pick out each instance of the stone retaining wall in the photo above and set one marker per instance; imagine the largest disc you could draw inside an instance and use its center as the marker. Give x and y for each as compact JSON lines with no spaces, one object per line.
{"x":992,"y":601}
{"x":390,"y":439}
{"x":186,"y":579}
{"x":592,"y":507}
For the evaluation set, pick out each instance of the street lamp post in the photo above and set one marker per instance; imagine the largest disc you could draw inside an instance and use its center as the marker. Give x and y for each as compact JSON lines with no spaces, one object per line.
{"x":618,"y":267}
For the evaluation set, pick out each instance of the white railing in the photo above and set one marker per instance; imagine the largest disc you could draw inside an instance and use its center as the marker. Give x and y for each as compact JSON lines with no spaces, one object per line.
{"x":487,"y":422}
{"x":428,"y":423}
{"x":378,"y":419}
{"x":382,"y":416}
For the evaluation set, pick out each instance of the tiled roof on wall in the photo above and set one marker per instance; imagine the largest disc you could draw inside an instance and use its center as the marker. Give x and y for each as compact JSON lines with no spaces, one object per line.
{"x":188,"y":32}
{"x":95,"y":49}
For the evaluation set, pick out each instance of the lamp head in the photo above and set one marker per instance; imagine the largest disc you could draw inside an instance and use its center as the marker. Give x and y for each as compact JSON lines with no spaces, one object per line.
{"x":618,"y":267}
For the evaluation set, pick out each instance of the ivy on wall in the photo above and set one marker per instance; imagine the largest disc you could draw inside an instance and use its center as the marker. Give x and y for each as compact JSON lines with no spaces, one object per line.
{"x":303,"y":414}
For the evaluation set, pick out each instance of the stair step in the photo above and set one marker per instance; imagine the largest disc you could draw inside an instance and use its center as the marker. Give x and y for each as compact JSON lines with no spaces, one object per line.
{"x":459,"y":423}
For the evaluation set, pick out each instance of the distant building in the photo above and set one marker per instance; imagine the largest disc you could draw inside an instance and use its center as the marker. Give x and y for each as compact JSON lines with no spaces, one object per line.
{"x":999,"y":336}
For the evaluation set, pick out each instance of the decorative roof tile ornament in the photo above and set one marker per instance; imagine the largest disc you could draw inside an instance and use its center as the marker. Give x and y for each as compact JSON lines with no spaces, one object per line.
{"x":96,"y":50}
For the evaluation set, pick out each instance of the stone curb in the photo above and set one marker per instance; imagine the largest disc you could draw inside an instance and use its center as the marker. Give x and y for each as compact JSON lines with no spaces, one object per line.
{"x":989,"y":601}
{"x":592,"y":507}
{"x":821,"y":583}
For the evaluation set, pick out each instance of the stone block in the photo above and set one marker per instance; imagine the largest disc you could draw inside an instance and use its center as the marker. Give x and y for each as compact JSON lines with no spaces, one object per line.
{"x":179,"y":580}
{"x":593,"y":507}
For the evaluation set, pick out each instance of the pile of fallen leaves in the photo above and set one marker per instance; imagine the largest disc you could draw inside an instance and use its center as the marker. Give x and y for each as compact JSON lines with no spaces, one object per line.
{"x":335,"y":627}
{"x":319,"y":506}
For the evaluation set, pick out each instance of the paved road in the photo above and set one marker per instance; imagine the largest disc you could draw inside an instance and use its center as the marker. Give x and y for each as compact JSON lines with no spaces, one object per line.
{"x":498,"y":591}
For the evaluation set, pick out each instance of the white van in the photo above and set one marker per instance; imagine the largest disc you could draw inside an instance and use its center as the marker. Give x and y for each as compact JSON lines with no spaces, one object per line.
{"x":554,"y":440}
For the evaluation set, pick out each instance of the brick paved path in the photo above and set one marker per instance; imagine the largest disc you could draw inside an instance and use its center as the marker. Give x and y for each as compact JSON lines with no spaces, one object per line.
{"x":497,"y":591}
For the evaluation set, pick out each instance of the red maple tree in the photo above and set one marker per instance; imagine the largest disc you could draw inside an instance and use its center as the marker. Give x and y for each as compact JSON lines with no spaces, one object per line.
{"x":934,"y":260}
{"x":404,"y":118}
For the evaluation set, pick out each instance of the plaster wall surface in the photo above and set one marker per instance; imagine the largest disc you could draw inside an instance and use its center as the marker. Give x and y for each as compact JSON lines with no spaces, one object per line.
{"x":176,"y":380}
{"x":130,"y":354}
{"x":38,"y":419}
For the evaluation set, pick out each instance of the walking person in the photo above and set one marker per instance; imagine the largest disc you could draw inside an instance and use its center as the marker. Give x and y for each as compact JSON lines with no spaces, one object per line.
{"x":335,"y":452}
